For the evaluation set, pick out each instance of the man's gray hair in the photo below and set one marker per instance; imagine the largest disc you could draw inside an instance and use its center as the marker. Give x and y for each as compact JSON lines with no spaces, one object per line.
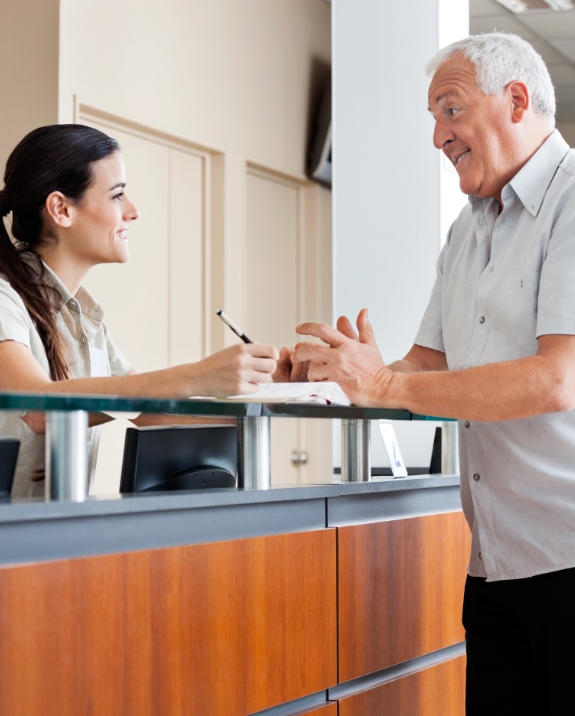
{"x":501,"y":58}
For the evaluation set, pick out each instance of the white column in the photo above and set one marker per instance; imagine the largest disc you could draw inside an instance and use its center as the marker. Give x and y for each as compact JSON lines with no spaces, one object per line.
{"x":392,"y":199}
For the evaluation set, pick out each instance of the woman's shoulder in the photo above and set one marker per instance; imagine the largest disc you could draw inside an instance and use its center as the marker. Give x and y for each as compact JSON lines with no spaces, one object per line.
{"x":9,"y":295}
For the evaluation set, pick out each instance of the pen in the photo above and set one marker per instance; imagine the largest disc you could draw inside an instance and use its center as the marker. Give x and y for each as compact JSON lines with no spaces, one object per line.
{"x":236,"y":329}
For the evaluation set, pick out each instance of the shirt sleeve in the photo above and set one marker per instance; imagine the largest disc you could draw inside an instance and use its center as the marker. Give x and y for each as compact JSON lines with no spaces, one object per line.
{"x":14,"y":320}
{"x":430,"y":333}
{"x":118,"y":363}
{"x":556,"y":299}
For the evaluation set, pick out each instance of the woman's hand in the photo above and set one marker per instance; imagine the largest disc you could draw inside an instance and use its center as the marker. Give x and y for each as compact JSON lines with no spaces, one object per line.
{"x":35,"y":421}
{"x":289,"y":368}
{"x":236,"y":370}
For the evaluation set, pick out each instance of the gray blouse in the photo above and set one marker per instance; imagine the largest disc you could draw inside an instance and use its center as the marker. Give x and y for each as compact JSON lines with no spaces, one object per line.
{"x":92,"y":353}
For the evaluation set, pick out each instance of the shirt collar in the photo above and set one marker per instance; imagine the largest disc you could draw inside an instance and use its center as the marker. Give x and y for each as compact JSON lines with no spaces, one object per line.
{"x":532,"y":180}
{"x":82,"y":302}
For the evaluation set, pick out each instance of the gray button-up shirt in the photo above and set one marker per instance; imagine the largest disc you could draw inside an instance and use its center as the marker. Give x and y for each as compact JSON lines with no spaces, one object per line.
{"x":503,"y":280}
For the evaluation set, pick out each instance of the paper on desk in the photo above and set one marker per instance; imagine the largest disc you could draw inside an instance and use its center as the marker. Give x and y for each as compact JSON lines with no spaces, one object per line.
{"x":324,"y":393}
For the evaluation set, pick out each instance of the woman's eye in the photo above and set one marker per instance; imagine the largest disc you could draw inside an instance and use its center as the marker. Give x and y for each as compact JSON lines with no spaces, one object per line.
{"x":452,"y":111}
{"x":119,"y":196}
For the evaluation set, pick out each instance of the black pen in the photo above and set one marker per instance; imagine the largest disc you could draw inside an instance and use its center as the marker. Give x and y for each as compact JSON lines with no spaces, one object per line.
{"x":236,"y":329}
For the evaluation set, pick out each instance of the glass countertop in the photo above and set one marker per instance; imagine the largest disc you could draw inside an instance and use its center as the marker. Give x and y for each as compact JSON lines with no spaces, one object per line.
{"x":201,"y":407}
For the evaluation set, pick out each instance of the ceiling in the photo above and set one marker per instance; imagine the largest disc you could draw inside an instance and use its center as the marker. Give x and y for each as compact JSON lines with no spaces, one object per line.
{"x":552,"y":34}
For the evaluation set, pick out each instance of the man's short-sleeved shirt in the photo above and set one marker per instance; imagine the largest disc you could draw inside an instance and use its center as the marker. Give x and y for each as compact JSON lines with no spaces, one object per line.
{"x":503,"y":280}
{"x":91,"y":353}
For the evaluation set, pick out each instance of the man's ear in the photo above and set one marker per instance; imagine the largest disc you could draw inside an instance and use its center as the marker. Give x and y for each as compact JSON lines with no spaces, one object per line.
{"x":520,"y":100}
{"x":58,"y":209}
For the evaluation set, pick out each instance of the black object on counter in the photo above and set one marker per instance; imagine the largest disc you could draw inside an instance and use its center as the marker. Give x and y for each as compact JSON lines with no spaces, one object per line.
{"x":179,"y":458}
{"x":8,"y":457}
{"x":435,"y":465}
{"x":387,"y":472}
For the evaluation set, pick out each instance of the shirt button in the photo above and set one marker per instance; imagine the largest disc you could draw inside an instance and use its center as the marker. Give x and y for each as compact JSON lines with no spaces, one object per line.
{"x":466,"y":423}
{"x":479,"y":555}
{"x":476,"y":476}
{"x":482,"y":319}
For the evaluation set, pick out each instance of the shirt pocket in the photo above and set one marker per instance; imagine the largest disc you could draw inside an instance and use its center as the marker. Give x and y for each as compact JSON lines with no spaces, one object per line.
{"x":514,"y":314}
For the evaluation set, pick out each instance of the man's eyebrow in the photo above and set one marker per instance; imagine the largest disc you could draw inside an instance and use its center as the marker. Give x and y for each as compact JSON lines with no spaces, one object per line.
{"x":449,"y":93}
{"x":121,"y":185}
{"x":437,"y":100}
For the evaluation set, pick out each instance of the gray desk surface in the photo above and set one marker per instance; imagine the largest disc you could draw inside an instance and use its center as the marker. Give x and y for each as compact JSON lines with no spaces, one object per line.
{"x":35,"y":530}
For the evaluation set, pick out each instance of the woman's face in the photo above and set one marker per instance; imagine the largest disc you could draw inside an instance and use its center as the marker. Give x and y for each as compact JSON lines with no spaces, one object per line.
{"x":96,"y":228}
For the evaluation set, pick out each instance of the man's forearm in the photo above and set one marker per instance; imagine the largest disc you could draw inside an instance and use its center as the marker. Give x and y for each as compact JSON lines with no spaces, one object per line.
{"x":405,"y":366}
{"x":498,"y":391}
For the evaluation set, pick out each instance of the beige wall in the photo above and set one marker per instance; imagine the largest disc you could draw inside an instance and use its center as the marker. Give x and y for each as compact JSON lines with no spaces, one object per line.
{"x":231,"y":75}
{"x":567,"y":129}
{"x":240,"y":79}
{"x":29,"y":35}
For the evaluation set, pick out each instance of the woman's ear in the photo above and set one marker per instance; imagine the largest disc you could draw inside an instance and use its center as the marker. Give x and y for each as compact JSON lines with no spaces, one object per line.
{"x":58,"y":210}
{"x":520,"y":100}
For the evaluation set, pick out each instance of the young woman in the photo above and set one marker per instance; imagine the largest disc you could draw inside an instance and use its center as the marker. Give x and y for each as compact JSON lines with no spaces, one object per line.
{"x":64,"y":192}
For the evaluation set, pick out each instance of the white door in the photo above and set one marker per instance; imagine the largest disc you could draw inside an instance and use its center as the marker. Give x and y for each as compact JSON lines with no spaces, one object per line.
{"x":154,"y":304}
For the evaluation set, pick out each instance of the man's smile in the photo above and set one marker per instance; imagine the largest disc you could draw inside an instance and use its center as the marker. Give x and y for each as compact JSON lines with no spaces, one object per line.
{"x":459,"y":157}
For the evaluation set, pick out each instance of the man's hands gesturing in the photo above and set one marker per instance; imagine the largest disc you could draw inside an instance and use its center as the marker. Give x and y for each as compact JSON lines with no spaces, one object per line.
{"x":351,"y":360}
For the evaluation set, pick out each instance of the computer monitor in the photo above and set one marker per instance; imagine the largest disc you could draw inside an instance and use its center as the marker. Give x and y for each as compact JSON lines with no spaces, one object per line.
{"x":179,"y":458}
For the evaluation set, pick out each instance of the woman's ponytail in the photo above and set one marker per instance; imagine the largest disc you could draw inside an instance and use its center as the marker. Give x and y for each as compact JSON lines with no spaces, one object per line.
{"x":54,"y":158}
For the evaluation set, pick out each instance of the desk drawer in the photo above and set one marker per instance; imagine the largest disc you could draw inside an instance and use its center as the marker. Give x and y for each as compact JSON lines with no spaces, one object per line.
{"x":400,"y":590}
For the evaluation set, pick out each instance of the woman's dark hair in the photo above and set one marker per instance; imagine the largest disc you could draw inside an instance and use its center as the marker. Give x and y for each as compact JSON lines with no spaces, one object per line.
{"x":59,"y":157}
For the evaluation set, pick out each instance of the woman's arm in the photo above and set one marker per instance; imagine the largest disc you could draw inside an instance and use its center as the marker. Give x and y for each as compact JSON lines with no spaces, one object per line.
{"x":233,"y":371}
{"x":36,"y":420}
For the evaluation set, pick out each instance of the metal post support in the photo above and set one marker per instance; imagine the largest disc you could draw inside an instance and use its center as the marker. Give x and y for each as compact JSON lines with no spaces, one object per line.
{"x":254,"y":453}
{"x":449,"y":449}
{"x":355,"y":450}
{"x":67,"y":455}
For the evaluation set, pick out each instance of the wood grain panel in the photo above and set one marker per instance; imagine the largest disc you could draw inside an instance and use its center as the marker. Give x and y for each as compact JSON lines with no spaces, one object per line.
{"x":437,"y":691}
{"x":327,"y":710}
{"x":227,"y":629}
{"x":400,"y":590}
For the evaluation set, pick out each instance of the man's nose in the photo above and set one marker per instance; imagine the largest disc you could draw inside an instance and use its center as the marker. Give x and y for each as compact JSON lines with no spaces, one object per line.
{"x":442,"y":135}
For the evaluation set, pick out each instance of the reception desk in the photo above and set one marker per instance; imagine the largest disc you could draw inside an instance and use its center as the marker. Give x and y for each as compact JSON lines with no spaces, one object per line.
{"x":328,"y":599}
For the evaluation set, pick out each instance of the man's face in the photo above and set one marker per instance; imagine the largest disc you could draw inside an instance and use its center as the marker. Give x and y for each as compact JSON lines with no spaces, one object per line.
{"x":471,"y":128}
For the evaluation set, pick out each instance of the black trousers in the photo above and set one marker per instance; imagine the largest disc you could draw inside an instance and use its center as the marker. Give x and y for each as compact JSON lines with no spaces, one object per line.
{"x":520,"y":638}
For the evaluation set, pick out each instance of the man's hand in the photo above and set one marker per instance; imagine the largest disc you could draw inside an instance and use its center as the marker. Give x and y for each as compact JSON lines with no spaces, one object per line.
{"x":289,"y":369}
{"x":351,"y":360}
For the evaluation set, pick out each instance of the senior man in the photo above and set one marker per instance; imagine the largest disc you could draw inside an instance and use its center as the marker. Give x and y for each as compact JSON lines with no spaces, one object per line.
{"x":496,"y":350}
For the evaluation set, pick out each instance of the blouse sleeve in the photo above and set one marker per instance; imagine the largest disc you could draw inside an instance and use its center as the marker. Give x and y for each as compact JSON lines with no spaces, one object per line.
{"x":118,"y":362}
{"x":14,"y":319}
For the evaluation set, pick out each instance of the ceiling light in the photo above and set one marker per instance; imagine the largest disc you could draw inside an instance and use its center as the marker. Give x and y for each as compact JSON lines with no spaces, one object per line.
{"x":518,"y":6}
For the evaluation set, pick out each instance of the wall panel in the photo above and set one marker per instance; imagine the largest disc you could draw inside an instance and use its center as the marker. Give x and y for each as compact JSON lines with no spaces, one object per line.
{"x":188,"y":280}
